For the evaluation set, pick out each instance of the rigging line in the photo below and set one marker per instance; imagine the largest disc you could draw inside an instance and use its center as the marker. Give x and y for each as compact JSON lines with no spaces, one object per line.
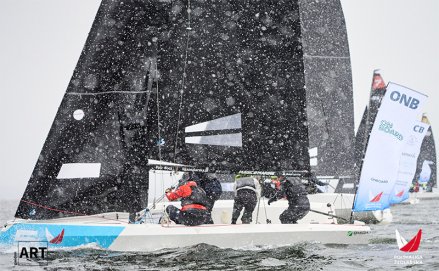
{"x":183,"y":81}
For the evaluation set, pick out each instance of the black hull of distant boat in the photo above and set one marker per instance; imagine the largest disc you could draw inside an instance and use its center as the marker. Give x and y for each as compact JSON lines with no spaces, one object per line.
{"x":226,"y":93}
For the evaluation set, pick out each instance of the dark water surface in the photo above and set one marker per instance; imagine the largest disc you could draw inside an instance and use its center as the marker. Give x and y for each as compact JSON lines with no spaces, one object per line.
{"x":381,"y":254}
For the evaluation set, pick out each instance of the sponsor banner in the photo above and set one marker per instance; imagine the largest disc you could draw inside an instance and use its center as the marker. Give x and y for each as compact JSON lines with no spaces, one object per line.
{"x":400,"y":108}
{"x":408,"y":162}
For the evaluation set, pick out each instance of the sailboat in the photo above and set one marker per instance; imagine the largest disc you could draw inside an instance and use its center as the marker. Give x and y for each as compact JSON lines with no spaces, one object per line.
{"x":426,"y":174}
{"x":376,"y":95}
{"x":198,"y":86}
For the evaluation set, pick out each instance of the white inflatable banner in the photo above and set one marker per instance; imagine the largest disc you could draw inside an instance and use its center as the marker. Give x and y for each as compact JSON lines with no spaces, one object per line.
{"x":408,"y":162}
{"x":400,"y":108}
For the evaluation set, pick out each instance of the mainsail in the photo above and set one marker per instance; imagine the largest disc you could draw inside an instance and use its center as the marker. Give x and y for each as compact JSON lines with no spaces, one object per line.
{"x":221,"y":86}
{"x":329,"y":94}
{"x":233,"y":83}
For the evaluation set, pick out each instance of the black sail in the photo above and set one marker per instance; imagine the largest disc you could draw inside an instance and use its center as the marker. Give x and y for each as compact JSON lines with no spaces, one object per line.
{"x":329,"y":94}
{"x":243,"y":99}
{"x":103,"y":123}
{"x":377,"y":92}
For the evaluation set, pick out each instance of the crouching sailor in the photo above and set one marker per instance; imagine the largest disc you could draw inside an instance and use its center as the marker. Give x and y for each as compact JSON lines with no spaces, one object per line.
{"x":298,"y":203}
{"x":193,"y":210}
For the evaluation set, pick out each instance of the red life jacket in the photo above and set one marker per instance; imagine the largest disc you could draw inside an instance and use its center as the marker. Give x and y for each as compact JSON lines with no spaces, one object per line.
{"x":192,"y":196}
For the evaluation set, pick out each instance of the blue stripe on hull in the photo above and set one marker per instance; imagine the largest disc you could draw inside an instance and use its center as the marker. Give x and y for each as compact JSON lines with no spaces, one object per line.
{"x":74,"y":235}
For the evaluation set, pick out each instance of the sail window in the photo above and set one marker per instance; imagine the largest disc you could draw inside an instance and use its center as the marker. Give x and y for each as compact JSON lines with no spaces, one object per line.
{"x":78,"y":114}
{"x":79,"y":170}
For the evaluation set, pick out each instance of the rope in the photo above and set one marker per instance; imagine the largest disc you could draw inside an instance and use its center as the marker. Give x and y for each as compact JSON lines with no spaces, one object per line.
{"x":68,"y":212}
{"x":183,"y":81}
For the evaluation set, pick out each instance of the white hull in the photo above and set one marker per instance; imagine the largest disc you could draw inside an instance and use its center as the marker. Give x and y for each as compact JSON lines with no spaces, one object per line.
{"x":150,"y":237}
{"x":147,"y":237}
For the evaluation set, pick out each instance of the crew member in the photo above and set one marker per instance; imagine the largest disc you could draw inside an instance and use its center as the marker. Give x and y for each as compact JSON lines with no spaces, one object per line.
{"x":193,"y":210}
{"x":298,"y":203}
{"x":212,"y":187}
{"x":246,"y":196}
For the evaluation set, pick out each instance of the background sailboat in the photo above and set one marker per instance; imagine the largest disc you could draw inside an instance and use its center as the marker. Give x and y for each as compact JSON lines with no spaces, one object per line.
{"x":427,"y":160}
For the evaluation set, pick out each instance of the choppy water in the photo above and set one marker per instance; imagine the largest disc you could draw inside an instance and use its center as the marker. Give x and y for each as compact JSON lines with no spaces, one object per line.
{"x":378,"y":255}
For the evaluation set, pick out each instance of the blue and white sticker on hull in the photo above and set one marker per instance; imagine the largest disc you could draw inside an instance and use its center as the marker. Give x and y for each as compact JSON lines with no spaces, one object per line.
{"x":58,"y":235}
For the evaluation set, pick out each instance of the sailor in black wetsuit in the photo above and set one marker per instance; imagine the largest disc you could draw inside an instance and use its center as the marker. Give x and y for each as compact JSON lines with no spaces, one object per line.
{"x":246,"y":197}
{"x":298,"y":203}
{"x":212,"y":186}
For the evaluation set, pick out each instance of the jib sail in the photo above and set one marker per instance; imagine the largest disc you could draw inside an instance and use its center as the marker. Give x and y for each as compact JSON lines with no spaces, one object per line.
{"x":94,"y":159}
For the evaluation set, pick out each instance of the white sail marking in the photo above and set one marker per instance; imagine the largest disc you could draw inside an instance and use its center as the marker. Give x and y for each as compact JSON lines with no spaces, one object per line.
{"x":313,"y":152}
{"x":79,"y":170}
{"x":78,"y":114}
{"x":233,"y":140}
{"x":164,"y":163}
{"x":224,"y":123}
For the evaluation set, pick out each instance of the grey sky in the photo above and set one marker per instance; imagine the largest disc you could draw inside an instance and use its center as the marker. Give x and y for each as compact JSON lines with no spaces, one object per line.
{"x":41,"y":41}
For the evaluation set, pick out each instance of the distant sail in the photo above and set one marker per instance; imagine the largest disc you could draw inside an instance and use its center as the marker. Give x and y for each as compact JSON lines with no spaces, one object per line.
{"x":377,"y":92}
{"x":427,"y":164}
